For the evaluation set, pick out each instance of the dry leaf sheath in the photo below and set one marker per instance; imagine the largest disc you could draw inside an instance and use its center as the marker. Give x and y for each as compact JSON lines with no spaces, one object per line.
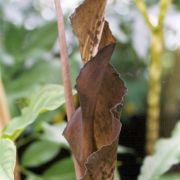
{"x":94,"y":128}
{"x":88,"y":23}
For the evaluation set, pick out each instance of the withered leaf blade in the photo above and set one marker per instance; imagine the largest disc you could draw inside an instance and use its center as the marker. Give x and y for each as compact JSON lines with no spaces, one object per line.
{"x":107,"y":37}
{"x":88,"y":24}
{"x":93,"y":130}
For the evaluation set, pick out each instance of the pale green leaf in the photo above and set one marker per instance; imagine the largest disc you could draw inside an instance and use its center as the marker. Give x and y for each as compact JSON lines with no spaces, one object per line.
{"x":54,"y":133}
{"x":39,"y":152}
{"x":116,"y":175}
{"x":48,"y":98}
{"x":167,"y":153}
{"x":30,"y":175}
{"x":62,"y":170}
{"x":7,"y":159}
{"x":29,"y":43}
{"x":170,"y":177}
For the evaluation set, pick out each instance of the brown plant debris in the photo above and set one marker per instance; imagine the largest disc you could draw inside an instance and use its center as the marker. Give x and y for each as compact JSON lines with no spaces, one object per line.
{"x":88,"y":24}
{"x":93,"y":130}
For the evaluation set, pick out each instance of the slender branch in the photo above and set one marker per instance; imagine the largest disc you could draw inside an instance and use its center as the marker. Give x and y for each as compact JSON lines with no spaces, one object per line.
{"x":66,"y":73}
{"x":142,"y":8}
{"x":164,"y":4}
{"x":4,"y":113}
{"x":64,"y":59}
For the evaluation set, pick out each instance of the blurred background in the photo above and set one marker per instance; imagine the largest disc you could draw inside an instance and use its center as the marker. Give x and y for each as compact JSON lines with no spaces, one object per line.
{"x":29,"y":58}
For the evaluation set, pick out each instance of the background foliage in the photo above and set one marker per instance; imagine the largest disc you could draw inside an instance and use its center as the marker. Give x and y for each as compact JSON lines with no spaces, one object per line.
{"x":29,"y":60}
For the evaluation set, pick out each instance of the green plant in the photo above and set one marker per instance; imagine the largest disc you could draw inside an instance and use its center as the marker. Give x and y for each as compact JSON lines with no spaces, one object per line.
{"x":48,"y":98}
{"x":155,"y":70}
{"x":29,"y":61}
{"x":167,"y":154}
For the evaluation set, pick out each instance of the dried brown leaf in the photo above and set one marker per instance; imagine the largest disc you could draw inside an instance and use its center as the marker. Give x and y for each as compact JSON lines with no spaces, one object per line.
{"x":93,"y":130}
{"x":88,"y":24}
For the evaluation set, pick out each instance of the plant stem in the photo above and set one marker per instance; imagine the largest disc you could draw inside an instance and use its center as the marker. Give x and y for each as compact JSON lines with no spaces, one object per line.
{"x":153,"y":100}
{"x":4,"y":113}
{"x":142,"y":8}
{"x":4,"y":119}
{"x":64,"y":59}
{"x":164,"y":4}
{"x":157,"y":44}
{"x":66,"y":73}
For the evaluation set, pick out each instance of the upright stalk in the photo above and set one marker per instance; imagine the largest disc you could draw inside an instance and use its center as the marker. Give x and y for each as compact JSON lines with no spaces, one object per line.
{"x":4,"y":119}
{"x":4,"y":113}
{"x":66,"y":73}
{"x":64,"y":59}
{"x":155,"y":68}
{"x":153,"y":100}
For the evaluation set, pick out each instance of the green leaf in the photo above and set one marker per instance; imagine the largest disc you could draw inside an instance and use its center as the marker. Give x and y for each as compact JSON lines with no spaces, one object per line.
{"x":29,"y":43}
{"x":35,"y":39}
{"x":30,"y":79}
{"x":39,"y":74}
{"x":39,"y":153}
{"x":170,"y":177}
{"x":30,"y":175}
{"x":54,"y":133}
{"x":63,"y":170}
{"x":7,"y":159}
{"x":116,"y":175}
{"x":48,"y":98}
{"x":167,"y":153}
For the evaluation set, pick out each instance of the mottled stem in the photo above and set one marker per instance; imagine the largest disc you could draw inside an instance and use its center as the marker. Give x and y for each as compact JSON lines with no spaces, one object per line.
{"x":153,"y":113}
{"x":164,"y":5}
{"x":66,"y":73}
{"x":154,"y":93}
{"x":142,"y":8}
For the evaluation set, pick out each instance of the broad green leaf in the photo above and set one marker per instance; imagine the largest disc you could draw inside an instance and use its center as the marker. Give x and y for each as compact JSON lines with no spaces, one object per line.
{"x":170,"y":177}
{"x":35,"y":39}
{"x":30,"y":79}
{"x":30,"y":175}
{"x":116,"y":175}
{"x":13,"y":44}
{"x":54,"y":133}
{"x":29,"y":43}
{"x":7,"y":159}
{"x":48,"y":98}
{"x":39,"y":74}
{"x":62,"y":170}
{"x":39,"y":152}
{"x":167,"y":153}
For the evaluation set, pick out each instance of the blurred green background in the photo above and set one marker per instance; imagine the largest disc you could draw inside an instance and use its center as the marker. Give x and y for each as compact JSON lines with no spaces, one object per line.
{"x":29,"y":59}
